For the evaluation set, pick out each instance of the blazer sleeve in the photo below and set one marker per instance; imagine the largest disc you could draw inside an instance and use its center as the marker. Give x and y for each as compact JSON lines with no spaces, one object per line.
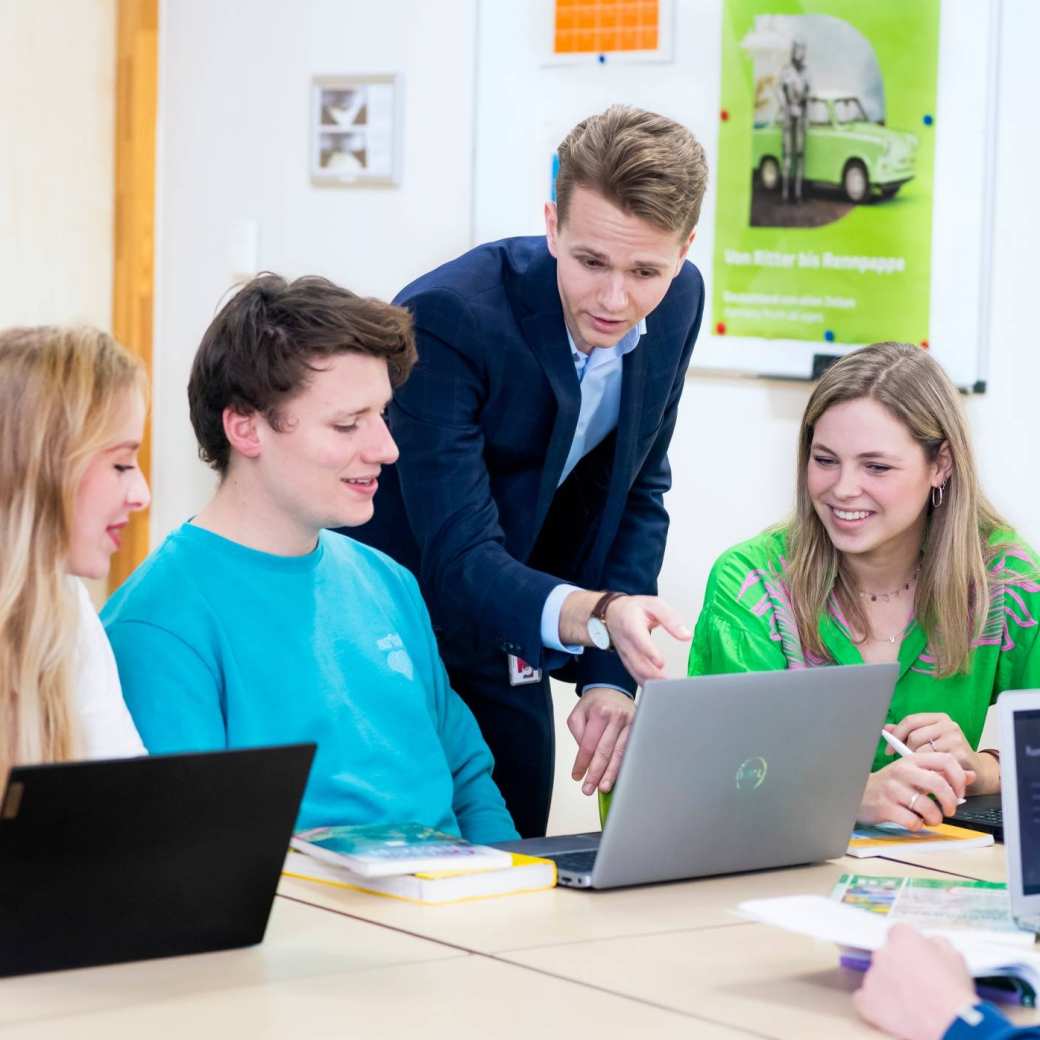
{"x":635,"y":557}
{"x":475,"y":589}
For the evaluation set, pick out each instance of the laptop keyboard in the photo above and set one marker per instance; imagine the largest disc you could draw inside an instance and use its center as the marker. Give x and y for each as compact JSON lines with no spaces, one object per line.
{"x":986,"y":818}
{"x":994,"y":817}
{"x":574,"y":862}
{"x":983,"y":815}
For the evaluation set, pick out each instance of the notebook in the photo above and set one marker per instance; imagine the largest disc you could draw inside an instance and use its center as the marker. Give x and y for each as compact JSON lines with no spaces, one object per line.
{"x":382,"y":850}
{"x":524,"y":874}
{"x":891,"y":839}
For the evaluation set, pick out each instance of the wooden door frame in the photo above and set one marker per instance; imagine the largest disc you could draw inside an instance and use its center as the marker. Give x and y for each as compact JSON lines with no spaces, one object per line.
{"x":133,"y":283}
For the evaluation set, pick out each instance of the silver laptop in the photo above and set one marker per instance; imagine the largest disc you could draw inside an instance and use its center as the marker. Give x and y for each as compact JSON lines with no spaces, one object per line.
{"x":1018,"y":712}
{"x":733,"y":772}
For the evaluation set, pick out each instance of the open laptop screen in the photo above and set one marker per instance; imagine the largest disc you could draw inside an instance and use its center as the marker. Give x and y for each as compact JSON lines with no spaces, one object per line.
{"x":1027,"y":761}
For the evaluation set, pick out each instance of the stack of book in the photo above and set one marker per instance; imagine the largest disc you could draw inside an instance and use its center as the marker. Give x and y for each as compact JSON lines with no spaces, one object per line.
{"x":414,"y":863}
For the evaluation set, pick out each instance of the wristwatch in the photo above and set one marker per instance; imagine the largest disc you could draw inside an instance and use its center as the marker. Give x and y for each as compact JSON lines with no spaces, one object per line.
{"x":596,"y":626}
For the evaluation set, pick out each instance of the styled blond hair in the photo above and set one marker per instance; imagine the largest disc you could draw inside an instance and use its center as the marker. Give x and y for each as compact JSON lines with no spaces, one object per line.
{"x":953,"y":585}
{"x":644,"y":163}
{"x":60,"y":392}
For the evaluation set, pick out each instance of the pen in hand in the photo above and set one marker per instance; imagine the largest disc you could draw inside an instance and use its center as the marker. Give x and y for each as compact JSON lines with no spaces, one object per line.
{"x":901,"y":749}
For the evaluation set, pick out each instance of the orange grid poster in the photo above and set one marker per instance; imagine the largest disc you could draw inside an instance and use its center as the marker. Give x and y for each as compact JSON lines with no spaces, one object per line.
{"x":606,"y":26}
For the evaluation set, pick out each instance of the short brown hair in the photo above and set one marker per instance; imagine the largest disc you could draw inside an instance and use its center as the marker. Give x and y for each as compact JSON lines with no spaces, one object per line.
{"x":262,"y":346}
{"x":642,"y":162}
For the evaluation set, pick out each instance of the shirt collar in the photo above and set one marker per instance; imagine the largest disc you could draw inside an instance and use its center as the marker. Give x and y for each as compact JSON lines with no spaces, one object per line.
{"x":628,"y":342}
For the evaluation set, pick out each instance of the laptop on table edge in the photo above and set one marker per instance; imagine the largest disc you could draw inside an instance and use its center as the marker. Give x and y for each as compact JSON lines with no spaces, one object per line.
{"x":730,"y":773}
{"x":134,"y":858}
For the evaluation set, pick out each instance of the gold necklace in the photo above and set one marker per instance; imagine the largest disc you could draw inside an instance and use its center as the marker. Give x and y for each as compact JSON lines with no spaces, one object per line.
{"x":886,"y":597}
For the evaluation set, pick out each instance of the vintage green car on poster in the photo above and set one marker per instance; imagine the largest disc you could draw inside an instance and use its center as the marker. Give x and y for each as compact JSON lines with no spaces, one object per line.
{"x":842,"y":148}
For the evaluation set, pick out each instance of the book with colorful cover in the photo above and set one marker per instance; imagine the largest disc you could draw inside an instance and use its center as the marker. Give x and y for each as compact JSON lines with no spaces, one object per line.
{"x":885,"y":838}
{"x":524,"y":874}
{"x":379,"y":850}
{"x":978,"y":907}
{"x":927,"y":902}
{"x":1004,"y":962}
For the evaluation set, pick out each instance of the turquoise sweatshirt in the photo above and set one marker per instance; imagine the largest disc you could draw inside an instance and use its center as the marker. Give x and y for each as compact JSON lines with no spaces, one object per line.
{"x":219,"y":645}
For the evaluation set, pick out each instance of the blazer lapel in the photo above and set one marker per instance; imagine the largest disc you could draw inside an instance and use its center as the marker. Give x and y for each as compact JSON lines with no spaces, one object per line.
{"x":547,"y":339}
{"x":544,"y":331}
{"x":630,"y":410}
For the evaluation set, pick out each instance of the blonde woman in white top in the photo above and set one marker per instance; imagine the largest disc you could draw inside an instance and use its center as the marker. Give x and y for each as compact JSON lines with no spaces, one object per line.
{"x":72,"y":407}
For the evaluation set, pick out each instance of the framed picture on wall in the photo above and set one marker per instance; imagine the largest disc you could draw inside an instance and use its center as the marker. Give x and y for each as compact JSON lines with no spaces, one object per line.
{"x":355,"y":127}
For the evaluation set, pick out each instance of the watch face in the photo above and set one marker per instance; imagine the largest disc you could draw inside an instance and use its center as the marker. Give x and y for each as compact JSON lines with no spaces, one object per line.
{"x":598,"y":633}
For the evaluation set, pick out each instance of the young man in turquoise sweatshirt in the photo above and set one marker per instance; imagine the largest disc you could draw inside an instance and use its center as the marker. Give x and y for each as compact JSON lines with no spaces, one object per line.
{"x":252,"y":625}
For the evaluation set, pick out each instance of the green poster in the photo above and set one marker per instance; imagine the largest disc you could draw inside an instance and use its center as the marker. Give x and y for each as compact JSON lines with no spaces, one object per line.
{"x":823,"y":219}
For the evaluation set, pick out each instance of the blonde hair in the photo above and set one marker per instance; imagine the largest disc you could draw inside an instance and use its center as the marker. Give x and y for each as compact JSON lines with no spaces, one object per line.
{"x":60,"y":391}
{"x":644,"y":163}
{"x":953,"y":585}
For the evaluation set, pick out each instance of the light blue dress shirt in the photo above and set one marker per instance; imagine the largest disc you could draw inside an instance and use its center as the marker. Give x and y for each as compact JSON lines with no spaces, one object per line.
{"x":599,"y":379}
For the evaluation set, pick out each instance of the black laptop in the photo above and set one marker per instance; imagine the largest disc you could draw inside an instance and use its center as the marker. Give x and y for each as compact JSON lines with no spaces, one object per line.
{"x":128,"y":859}
{"x":981,"y":812}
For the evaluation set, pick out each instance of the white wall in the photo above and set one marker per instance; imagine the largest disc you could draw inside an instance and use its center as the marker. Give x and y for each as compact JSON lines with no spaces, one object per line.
{"x":233,"y":139}
{"x":57,"y":115}
{"x":233,"y":146}
{"x":57,"y":162}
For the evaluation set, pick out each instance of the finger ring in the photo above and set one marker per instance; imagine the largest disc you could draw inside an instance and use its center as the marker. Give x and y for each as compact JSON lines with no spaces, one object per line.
{"x":910,"y":804}
{"x":931,"y":744}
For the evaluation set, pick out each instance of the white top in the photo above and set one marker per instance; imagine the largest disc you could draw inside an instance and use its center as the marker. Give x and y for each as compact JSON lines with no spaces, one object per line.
{"x":106,"y":729}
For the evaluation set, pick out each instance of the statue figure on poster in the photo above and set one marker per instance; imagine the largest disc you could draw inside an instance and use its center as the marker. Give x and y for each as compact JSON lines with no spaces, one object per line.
{"x":794,"y":107}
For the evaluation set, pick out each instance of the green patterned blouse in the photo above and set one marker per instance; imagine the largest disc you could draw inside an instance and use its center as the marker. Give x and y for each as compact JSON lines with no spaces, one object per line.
{"x":747,"y":625}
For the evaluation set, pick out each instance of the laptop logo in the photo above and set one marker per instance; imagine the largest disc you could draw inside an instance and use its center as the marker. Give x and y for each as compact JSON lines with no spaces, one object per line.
{"x":751,"y":773}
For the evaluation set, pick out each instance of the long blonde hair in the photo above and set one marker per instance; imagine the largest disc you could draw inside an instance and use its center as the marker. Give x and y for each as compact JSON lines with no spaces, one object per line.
{"x":60,"y":391}
{"x":953,"y":584}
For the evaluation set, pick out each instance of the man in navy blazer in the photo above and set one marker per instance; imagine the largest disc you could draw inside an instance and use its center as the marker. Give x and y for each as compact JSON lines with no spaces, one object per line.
{"x":533,"y":438}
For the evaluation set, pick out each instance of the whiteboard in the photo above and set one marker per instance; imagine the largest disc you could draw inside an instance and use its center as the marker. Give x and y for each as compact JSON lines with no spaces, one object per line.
{"x":525,"y":105}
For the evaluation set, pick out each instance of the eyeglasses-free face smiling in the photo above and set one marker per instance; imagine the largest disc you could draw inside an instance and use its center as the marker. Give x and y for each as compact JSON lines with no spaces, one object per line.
{"x":111,"y":489}
{"x":869,"y":480}
{"x":321,"y":467}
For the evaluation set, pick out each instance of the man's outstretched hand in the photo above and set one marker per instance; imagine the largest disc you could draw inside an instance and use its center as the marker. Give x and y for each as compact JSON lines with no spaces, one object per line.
{"x":600,"y":723}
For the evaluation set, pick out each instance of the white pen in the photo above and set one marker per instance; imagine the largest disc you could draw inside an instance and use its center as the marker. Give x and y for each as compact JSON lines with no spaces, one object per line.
{"x":896,"y":744}
{"x":901,"y":749}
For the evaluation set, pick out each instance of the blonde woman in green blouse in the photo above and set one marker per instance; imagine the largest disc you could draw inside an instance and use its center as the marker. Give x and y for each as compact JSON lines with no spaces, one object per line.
{"x":893,"y":554}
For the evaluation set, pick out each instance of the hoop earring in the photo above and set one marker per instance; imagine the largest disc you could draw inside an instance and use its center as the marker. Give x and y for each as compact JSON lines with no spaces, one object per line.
{"x":937,"y":499}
